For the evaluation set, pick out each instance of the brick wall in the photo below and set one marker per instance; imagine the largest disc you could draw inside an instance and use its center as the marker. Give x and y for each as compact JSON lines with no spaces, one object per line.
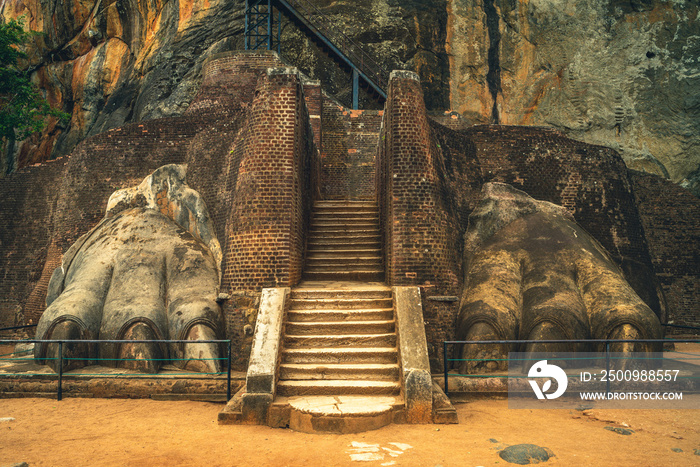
{"x":229,"y":79}
{"x":348,"y":151}
{"x":671,"y":218}
{"x":421,"y":235}
{"x":27,"y":205}
{"x":265,"y":230}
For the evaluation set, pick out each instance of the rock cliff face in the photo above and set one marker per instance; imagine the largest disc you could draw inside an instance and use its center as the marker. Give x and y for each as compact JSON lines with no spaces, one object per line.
{"x":621,"y":73}
{"x":111,"y":62}
{"x":624,"y":74}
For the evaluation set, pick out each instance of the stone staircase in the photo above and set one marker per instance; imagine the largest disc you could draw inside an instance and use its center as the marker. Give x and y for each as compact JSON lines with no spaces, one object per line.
{"x":344,"y":242}
{"x":340,"y":354}
{"x":326,"y":355}
{"x":340,"y":342}
{"x":339,"y":348}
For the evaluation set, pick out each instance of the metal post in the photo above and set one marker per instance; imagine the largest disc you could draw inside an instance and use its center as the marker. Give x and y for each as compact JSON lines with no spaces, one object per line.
{"x":607,"y":368}
{"x":355,"y":89}
{"x":279,"y":32}
{"x":245,"y":34}
{"x":444,"y":365}
{"x":228,"y":378}
{"x":269,"y":24}
{"x":60,"y":371}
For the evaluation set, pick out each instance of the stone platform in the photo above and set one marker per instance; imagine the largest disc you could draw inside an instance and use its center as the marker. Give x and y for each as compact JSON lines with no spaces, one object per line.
{"x":21,"y":377}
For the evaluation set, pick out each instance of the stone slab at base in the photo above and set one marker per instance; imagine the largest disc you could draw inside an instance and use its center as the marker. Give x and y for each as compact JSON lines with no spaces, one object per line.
{"x":341,"y":414}
{"x":27,"y":379}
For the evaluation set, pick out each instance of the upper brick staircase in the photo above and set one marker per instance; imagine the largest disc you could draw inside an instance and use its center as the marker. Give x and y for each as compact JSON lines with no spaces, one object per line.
{"x":344,"y":242}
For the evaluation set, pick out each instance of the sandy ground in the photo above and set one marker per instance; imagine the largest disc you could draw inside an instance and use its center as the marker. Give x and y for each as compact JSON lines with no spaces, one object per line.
{"x":106,"y":432}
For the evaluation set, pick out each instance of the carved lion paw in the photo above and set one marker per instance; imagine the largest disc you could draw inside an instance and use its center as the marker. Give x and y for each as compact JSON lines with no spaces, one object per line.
{"x":148,"y":271}
{"x":532,"y":273}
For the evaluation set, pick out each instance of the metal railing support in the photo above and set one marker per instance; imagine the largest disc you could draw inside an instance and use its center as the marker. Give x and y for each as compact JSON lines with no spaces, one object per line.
{"x":59,"y":396}
{"x":61,"y":343}
{"x":607,"y":367}
{"x":228,"y":372}
{"x":444,"y":367}
{"x":606,"y":342}
{"x":355,"y":89}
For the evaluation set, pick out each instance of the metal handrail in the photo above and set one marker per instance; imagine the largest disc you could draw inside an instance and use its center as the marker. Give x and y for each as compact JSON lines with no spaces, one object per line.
{"x":360,"y":58}
{"x":607,"y":343}
{"x":60,"y":342}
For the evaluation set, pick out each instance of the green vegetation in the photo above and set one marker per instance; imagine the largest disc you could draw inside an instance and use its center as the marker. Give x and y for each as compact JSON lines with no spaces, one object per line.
{"x":22,"y":108}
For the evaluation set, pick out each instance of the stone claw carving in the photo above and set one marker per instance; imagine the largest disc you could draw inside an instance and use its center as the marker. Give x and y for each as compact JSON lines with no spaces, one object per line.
{"x":533,"y":273}
{"x":148,"y":271}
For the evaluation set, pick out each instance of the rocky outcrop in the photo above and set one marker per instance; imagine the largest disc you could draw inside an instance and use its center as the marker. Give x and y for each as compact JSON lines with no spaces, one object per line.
{"x":110,"y":63}
{"x":622,"y":74}
{"x":616,"y":73}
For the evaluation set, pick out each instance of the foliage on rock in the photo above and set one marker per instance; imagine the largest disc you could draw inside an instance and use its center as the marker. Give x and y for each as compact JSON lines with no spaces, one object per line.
{"x":22,"y":107}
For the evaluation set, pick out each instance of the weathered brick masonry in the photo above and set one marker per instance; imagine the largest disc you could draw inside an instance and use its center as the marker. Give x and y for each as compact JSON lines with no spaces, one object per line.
{"x":271,"y":205}
{"x":27,"y":205}
{"x":671,"y":218}
{"x":421,"y":235}
{"x":348,"y":151}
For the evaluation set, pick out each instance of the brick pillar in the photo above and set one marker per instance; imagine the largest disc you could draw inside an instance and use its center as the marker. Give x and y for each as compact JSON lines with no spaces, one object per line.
{"x":270,"y":207}
{"x":421,"y":235}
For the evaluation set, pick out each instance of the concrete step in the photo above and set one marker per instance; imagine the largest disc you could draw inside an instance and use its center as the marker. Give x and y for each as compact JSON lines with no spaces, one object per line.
{"x":339,"y":327}
{"x":337,"y":214}
{"x":328,"y":233}
{"x":335,"y":355}
{"x":319,"y":261}
{"x":337,"y":387}
{"x":315,"y":221}
{"x":340,"y":293}
{"x":323,"y":221}
{"x":339,"y":303}
{"x":338,"y":371}
{"x":367,"y":276}
{"x":345,"y":341}
{"x":342,"y":414}
{"x":344,"y":268}
{"x":373,"y":314}
{"x":341,"y":204}
{"x":340,"y":252}
{"x":344,"y":235}
{"x":330,"y":246}
{"x":331,"y":256}
{"x":349,"y":239}
{"x":323,"y":228}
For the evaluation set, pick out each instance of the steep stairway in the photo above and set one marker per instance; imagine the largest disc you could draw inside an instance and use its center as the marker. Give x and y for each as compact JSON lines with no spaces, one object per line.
{"x":339,"y":367}
{"x":344,"y":242}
